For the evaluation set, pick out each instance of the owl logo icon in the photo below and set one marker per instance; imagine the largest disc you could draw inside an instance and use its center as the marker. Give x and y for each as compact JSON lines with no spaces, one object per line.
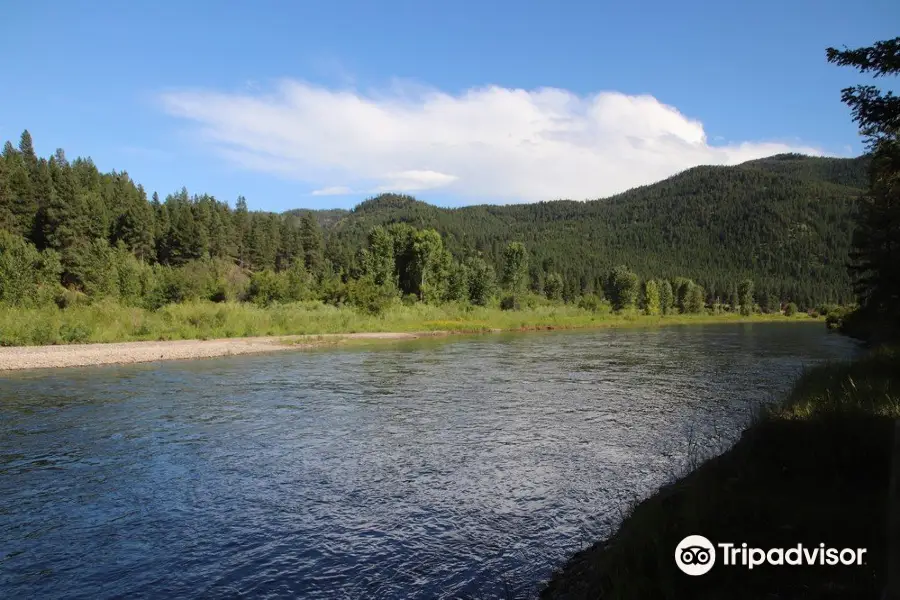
{"x":695,"y":555}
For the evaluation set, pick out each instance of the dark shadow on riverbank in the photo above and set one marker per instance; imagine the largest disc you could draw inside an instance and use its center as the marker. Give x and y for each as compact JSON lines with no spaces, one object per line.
{"x":786,"y":482}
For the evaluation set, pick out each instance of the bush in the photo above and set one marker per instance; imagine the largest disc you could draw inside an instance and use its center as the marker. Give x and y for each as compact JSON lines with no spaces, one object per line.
{"x":510,"y":303}
{"x":27,"y":277}
{"x":594,"y":304}
{"x":266,"y":288}
{"x":409,"y":299}
{"x":369,"y":297}
{"x":790,"y":310}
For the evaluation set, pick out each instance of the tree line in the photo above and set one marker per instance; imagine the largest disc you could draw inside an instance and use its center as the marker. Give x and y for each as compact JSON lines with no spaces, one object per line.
{"x":785,"y":222}
{"x":69,"y":233}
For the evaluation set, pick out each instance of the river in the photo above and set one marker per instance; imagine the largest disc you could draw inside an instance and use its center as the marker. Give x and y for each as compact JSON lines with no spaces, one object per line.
{"x":464,"y":467}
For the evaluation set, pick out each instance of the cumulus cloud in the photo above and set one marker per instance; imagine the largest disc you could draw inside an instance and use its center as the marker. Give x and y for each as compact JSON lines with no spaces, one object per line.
{"x":488,"y":143}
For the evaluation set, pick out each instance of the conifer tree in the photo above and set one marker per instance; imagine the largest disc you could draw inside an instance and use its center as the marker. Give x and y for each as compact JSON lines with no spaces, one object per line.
{"x":311,"y":236}
{"x":876,"y":240}
{"x":241,"y":230}
{"x":666,"y":297}
{"x":553,"y":286}
{"x":745,"y":296}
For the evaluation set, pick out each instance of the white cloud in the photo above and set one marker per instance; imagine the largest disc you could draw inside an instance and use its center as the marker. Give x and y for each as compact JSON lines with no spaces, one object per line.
{"x":335,"y":190}
{"x":489,"y":143}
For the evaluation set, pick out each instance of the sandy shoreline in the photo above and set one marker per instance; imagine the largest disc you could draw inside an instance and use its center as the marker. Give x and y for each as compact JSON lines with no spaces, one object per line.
{"x":83,"y":355}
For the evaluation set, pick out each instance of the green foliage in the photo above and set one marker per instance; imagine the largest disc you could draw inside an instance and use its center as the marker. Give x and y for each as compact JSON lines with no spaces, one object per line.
{"x":266,"y":288}
{"x":745,"y":296}
{"x":381,"y":265}
{"x":876,"y":238}
{"x":311,"y":239}
{"x":784,"y":221}
{"x":369,"y":297}
{"x":27,"y":276}
{"x":651,"y":298}
{"x":769,"y":303}
{"x":482,"y":281}
{"x":623,"y":288}
{"x":515,"y":268}
{"x":666,"y":297}
{"x":553,"y":286}
{"x":109,"y":241}
{"x":790,"y":310}
{"x":510,"y":302}
{"x":430,"y":266}
{"x":458,"y":283}
{"x":694,"y":300}
{"x":594,"y":304}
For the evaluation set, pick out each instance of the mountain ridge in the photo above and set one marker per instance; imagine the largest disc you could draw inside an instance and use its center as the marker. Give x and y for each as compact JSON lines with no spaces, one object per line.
{"x":782,"y":220}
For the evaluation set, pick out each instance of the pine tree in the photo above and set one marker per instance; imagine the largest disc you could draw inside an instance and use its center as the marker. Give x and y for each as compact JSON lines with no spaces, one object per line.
{"x":553,"y":286}
{"x":666,"y":297}
{"x":241,"y":230}
{"x":135,"y":225}
{"x":745,"y":296}
{"x":695,"y":299}
{"x":22,"y":207}
{"x":6,"y":214}
{"x":26,"y":148}
{"x":64,"y":219}
{"x":311,"y":236}
{"x":876,"y":240}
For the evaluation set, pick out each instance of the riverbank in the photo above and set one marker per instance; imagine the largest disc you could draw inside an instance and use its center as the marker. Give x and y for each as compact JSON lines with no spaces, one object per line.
{"x":110,"y":322}
{"x":83,"y":355}
{"x":816,"y":469}
{"x":111,"y":334}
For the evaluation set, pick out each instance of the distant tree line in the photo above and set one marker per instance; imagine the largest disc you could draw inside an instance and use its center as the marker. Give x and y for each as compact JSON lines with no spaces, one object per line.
{"x":69,"y":233}
{"x":785,"y":222}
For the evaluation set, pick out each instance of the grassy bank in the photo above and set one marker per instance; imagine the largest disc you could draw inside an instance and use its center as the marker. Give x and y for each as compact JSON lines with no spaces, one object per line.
{"x":110,"y":322}
{"x":813,"y":470}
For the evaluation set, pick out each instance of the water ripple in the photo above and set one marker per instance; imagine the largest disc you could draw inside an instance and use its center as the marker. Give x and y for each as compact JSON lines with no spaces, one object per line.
{"x":435,"y":469}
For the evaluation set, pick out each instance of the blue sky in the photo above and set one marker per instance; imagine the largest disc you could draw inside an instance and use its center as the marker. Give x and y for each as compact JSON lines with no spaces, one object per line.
{"x":321,"y":104}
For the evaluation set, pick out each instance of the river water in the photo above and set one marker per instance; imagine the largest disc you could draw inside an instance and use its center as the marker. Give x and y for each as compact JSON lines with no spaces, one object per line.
{"x":469,"y":467}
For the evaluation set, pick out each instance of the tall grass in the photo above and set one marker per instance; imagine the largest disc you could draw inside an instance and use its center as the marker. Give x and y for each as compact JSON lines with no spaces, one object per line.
{"x":111,"y":322}
{"x":869,"y":385}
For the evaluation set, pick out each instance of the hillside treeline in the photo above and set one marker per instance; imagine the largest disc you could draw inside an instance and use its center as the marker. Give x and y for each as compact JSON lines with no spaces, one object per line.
{"x":785,"y":222}
{"x":70,"y":234}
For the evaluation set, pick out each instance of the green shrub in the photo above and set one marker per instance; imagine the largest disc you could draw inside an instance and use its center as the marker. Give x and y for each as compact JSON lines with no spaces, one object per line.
{"x":790,"y":310}
{"x":369,"y":297}
{"x":510,"y":303}
{"x":27,"y":277}
{"x":594,"y":304}
{"x":74,"y":333}
{"x":266,"y":287}
{"x":409,"y":299}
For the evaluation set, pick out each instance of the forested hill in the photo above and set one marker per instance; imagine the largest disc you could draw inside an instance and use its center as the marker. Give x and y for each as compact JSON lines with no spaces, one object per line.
{"x":784,"y":221}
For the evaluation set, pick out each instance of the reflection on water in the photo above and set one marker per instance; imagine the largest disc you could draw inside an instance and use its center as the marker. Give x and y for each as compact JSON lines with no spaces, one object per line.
{"x":446,"y":469}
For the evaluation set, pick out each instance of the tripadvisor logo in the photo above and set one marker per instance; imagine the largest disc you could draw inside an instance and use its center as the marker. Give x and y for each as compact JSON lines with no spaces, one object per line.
{"x":696,"y":555}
